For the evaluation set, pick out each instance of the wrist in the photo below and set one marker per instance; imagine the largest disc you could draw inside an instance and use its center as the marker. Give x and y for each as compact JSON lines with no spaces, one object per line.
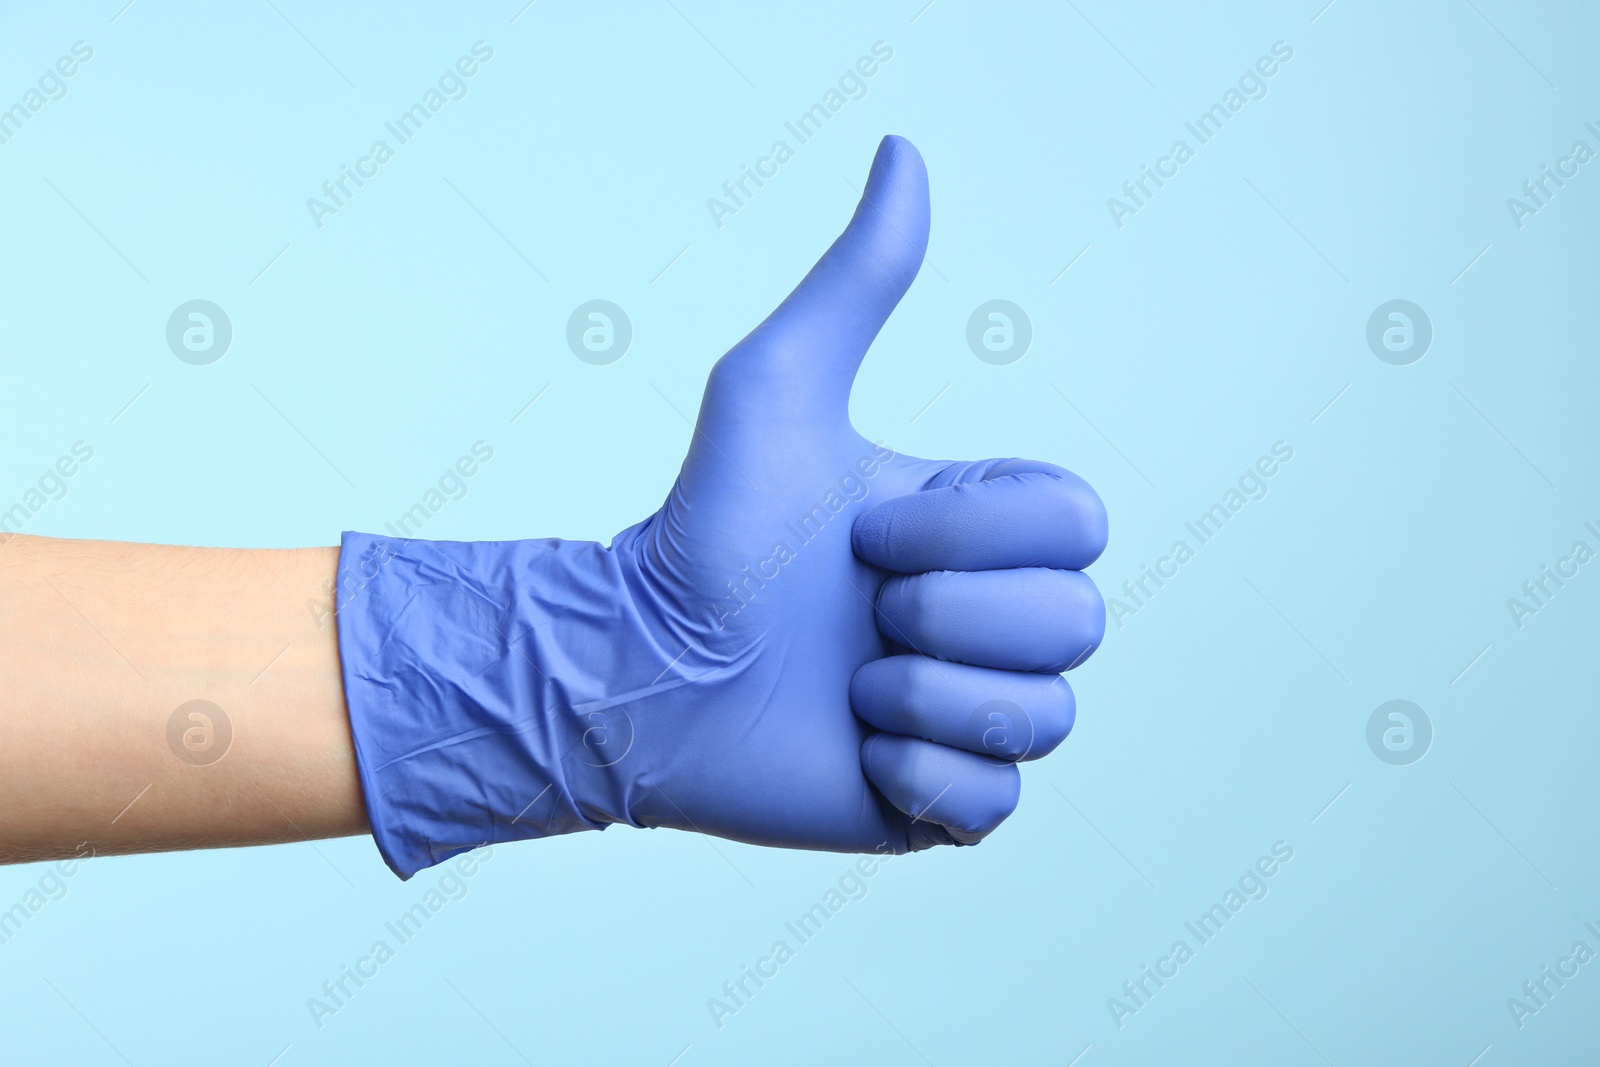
{"x":473,"y":723}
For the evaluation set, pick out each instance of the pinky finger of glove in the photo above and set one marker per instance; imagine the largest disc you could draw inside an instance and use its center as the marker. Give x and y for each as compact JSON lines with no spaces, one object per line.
{"x":949,"y":795}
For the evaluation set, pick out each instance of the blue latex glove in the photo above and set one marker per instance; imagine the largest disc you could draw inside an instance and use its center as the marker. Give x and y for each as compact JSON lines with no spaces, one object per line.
{"x":814,"y":643}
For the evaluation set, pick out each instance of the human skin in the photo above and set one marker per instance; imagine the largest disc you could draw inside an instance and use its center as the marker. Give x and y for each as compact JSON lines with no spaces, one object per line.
{"x":171,"y":698}
{"x":101,"y":643}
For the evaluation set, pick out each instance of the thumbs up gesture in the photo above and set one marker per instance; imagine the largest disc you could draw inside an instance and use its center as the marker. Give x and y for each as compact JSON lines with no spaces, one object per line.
{"x":815,"y":643}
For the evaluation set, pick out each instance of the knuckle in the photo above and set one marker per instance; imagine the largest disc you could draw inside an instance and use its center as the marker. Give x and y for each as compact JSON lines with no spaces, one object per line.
{"x":920,"y":684}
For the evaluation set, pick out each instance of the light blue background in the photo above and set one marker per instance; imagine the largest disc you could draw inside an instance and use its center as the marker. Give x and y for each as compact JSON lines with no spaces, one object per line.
{"x":1224,"y":316}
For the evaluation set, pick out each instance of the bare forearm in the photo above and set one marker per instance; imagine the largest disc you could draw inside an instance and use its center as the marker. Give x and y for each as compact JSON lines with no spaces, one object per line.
{"x":155,"y":698}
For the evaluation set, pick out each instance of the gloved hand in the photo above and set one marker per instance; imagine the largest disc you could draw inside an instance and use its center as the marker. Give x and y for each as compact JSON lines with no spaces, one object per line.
{"x":814,"y":643}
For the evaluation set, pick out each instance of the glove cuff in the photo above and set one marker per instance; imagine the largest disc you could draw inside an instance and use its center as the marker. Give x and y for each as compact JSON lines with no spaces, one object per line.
{"x":471,"y":726}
